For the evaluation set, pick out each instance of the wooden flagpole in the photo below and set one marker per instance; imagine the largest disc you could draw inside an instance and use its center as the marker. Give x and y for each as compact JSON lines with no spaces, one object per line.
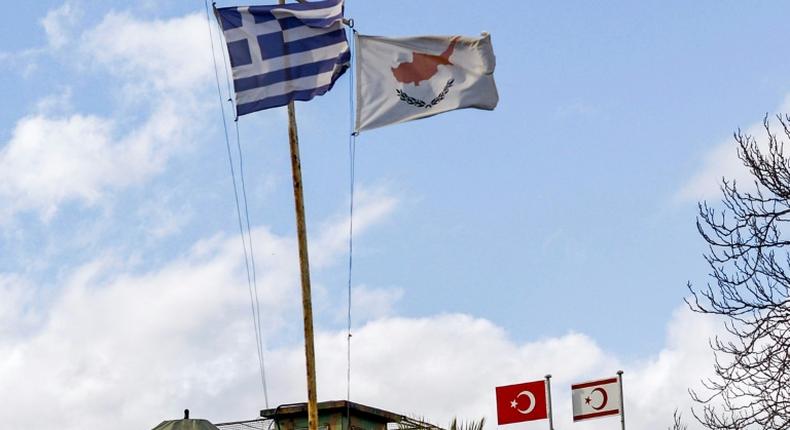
{"x":304,"y":268}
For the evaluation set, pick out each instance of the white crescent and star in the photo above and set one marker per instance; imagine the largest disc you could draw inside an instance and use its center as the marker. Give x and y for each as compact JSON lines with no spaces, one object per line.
{"x":530,"y":396}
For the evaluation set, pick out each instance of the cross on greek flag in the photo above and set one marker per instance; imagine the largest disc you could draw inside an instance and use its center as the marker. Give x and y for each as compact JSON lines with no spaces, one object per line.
{"x":285,"y":52}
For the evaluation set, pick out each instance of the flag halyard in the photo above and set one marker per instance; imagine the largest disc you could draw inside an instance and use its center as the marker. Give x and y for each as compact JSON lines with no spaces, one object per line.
{"x":284,"y":52}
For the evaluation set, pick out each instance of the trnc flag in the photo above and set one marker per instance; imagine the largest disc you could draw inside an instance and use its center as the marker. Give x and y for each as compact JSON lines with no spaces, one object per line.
{"x":596,"y":399}
{"x":521,"y":402}
{"x":403,"y":79}
{"x":285,"y":52}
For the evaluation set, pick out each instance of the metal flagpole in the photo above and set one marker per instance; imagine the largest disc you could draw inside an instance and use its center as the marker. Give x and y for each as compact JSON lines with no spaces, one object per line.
{"x":304,"y":268}
{"x":622,"y":399}
{"x":548,"y":398}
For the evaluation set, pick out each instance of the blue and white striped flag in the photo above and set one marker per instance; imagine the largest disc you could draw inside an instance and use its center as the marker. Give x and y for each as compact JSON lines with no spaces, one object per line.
{"x":283,"y":53}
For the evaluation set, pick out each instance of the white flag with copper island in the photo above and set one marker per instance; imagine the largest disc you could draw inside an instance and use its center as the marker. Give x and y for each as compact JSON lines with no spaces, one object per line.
{"x":403,"y":79}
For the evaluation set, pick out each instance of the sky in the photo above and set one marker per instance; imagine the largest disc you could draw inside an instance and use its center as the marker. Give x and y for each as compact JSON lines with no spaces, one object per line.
{"x":555,"y":234}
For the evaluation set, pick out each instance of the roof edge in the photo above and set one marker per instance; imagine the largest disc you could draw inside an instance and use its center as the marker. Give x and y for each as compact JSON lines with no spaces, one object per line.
{"x":301,"y":409}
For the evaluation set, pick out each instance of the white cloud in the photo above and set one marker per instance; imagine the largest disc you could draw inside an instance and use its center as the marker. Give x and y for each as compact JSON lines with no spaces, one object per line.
{"x":722,"y":162}
{"x":17,"y":314}
{"x":660,"y":384}
{"x":443,"y":366}
{"x":162,"y":217}
{"x":370,"y":204}
{"x":127,"y":348}
{"x":57,"y":156}
{"x":52,"y":160}
{"x":56,"y":104}
{"x":132,"y":349}
{"x":59,"y":24}
{"x":111,"y":350}
{"x":171,"y":54}
{"x":374,"y":303}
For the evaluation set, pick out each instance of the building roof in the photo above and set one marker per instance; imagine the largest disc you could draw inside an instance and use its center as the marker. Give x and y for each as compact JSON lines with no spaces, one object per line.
{"x":295,"y":409}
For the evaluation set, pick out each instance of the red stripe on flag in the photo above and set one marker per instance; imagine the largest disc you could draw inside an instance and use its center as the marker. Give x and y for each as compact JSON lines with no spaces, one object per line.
{"x":593,"y":383}
{"x":595,"y":415}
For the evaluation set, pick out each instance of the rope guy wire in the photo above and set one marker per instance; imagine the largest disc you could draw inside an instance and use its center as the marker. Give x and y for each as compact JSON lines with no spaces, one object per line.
{"x":249,"y":261}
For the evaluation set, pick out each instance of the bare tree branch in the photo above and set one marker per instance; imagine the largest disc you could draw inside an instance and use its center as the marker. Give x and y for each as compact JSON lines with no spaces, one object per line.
{"x":677,"y":422}
{"x":750,"y":270}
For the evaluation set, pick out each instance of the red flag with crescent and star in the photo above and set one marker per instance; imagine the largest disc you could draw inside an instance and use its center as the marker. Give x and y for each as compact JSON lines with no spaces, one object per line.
{"x":521,"y":402}
{"x":596,"y":399}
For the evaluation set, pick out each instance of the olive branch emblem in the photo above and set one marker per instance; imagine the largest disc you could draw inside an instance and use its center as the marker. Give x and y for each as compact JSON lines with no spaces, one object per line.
{"x":422,"y":103}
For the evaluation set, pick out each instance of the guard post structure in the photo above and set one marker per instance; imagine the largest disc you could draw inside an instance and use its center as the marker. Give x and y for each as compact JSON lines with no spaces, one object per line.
{"x":332,"y":415}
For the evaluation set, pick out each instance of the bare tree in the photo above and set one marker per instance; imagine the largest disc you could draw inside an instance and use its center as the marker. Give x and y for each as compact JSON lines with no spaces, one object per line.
{"x":750,"y":269}
{"x":677,"y":422}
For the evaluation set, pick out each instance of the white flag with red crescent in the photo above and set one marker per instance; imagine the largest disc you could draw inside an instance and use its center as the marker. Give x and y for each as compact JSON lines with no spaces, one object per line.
{"x":403,"y":79}
{"x":596,"y":399}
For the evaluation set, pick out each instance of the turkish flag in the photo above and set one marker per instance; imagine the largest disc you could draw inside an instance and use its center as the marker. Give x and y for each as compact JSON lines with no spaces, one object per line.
{"x":521,"y":402}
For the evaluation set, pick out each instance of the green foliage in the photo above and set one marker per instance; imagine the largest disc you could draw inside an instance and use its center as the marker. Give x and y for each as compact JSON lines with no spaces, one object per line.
{"x":467,"y":425}
{"x":421,"y":424}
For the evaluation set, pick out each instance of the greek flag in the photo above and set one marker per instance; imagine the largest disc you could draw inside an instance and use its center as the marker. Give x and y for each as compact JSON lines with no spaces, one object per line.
{"x":283,"y":53}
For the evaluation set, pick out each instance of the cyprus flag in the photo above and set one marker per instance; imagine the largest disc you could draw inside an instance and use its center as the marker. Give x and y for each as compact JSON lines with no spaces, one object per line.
{"x":402,"y":79}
